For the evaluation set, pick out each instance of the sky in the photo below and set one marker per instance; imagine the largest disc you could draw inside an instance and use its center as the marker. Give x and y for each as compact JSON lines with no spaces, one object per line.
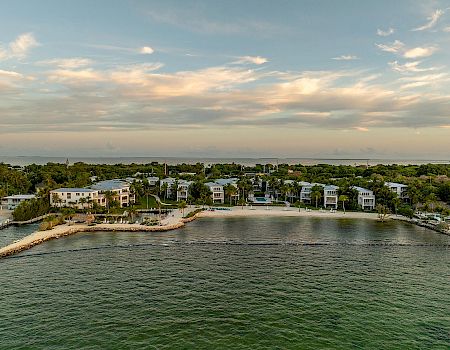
{"x":321,"y":79}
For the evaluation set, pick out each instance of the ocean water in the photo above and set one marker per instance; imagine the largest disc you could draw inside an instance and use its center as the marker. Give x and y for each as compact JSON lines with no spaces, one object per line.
{"x":241,"y":283}
{"x":26,"y":160}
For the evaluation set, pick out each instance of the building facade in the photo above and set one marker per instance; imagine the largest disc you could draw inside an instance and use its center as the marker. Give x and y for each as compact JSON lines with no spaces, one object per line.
{"x":366,"y":198}
{"x":12,"y":202}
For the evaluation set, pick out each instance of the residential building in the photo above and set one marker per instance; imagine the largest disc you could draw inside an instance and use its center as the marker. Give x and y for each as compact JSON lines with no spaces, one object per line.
{"x":12,"y":202}
{"x":218,"y":195}
{"x":366,"y":198}
{"x":153,"y":180}
{"x":170,"y":181}
{"x":120,"y":191}
{"x":231,"y":181}
{"x":183,"y":190}
{"x":400,"y":189}
{"x":330,"y":196}
{"x":305,"y":193}
{"x":73,"y":197}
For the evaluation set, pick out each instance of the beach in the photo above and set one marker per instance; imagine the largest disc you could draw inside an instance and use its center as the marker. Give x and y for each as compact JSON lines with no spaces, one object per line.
{"x":248,"y":211}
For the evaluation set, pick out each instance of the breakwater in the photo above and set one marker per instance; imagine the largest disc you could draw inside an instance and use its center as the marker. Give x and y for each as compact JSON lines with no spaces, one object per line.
{"x":39,"y":237}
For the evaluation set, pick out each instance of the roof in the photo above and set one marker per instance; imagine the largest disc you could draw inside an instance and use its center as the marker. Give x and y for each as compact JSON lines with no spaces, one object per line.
{"x":394,"y":184}
{"x":110,"y":185}
{"x":362,"y":189}
{"x":224,"y":182}
{"x":213,"y":184}
{"x":20,"y":196}
{"x":74,"y":189}
{"x":331,"y":187}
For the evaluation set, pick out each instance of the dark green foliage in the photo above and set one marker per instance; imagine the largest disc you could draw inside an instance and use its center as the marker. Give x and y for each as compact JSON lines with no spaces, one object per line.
{"x":31,"y":209}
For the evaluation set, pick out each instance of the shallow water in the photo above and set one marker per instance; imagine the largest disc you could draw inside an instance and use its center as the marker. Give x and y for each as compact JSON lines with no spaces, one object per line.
{"x":241,"y":283}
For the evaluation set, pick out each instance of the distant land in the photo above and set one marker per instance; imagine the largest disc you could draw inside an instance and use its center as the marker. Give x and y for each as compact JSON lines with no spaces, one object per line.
{"x":25,"y":160}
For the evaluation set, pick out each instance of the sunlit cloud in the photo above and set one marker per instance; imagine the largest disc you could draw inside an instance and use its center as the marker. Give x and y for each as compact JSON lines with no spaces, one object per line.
{"x":418,"y":52}
{"x":146,"y":50}
{"x":258,"y":60}
{"x":395,"y":47}
{"x":345,"y":58}
{"x":409,"y":67}
{"x":432,"y":20}
{"x":67,"y":63}
{"x":387,"y":32}
{"x":20,"y":47}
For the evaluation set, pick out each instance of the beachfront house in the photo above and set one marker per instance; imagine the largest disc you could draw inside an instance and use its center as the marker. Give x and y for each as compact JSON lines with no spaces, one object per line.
{"x":12,"y":202}
{"x":366,"y":198}
{"x":118,"y":189}
{"x":218,"y":194}
{"x":305,"y":193}
{"x":233,"y":182}
{"x":400,"y":189}
{"x":169,"y":181}
{"x":330,"y":196}
{"x":73,"y":197}
{"x":183,"y":190}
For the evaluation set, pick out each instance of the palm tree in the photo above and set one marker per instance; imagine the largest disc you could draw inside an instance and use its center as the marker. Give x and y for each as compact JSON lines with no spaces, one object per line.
{"x":230,"y":191}
{"x":82,"y":201}
{"x":316,"y":194}
{"x":182,"y":205}
{"x":242,"y":202}
{"x":343,"y":198}
{"x":109,"y":198}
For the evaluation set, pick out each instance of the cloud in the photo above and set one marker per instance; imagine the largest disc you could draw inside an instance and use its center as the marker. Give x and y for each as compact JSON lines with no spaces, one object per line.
{"x":395,"y":47}
{"x":410,"y":67}
{"x":420,"y":52}
{"x":387,"y":32}
{"x":446,"y":29}
{"x":258,"y":60}
{"x":345,"y":58}
{"x":68,"y":63}
{"x":22,"y":45}
{"x":146,"y":50}
{"x":432,"y":20}
{"x":75,"y":76}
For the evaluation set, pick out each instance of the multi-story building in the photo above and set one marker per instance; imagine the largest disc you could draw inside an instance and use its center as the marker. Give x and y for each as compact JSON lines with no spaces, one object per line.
{"x":330,"y":196}
{"x":73,"y":197}
{"x":12,"y":202}
{"x":119,"y":190}
{"x":400,"y":189}
{"x":169,"y":181}
{"x":366,"y":198}
{"x":153,"y":180}
{"x":183,"y":190}
{"x":218,"y":195}
{"x":233,"y":182}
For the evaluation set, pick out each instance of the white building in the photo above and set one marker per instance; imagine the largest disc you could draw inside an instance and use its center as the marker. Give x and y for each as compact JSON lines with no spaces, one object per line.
{"x":330,"y":196}
{"x":183,"y":190}
{"x":70,"y":197}
{"x":366,"y":198}
{"x":399,"y":189}
{"x":119,"y":189}
{"x":218,"y":195}
{"x":305,"y":192}
{"x":152,"y":180}
{"x":170,"y":181}
{"x":233,"y":182}
{"x":12,"y":202}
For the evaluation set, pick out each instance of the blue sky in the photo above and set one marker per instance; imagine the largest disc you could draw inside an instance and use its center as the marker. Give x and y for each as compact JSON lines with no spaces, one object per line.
{"x":234,"y":78}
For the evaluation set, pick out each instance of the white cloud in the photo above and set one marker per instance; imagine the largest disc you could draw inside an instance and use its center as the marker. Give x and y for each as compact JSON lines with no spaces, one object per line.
{"x":409,"y":67}
{"x":345,"y":58}
{"x":432,"y":20}
{"x":387,"y":32}
{"x":252,"y":59}
{"x":22,"y":45}
{"x":146,"y":50}
{"x":446,"y":29}
{"x":67,"y":63}
{"x":419,"y":52}
{"x":395,"y":47}
{"x":10,"y":74}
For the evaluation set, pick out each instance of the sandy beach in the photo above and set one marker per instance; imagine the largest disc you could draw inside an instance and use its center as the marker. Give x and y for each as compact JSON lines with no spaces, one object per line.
{"x":282,"y":211}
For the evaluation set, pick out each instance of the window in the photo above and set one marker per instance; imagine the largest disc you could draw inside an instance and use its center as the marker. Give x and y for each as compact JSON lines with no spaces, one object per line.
{"x":69,"y":195}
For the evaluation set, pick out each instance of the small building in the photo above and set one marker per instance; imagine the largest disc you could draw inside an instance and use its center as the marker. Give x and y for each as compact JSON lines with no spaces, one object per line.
{"x":366,"y":198}
{"x":73,"y":197}
{"x":169,"y":181}
{"x":330,"y":196}
{"x":233,"y":182}
{"x":400,"y":189}
{"x":218,"y":195}
{"x":12,"y":202}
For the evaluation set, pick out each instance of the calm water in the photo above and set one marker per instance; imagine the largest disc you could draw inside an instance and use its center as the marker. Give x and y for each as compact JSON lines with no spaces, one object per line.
{"x":285,"y":283}
{"x":25,"y":160}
